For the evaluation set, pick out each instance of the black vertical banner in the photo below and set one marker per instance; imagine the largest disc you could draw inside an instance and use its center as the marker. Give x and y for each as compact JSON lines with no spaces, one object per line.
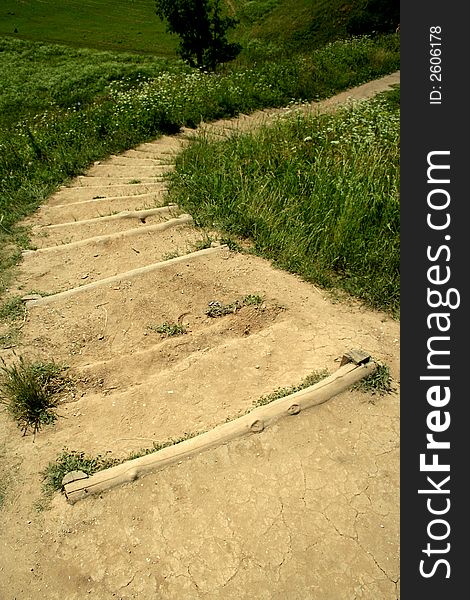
{"x":435,"y":359}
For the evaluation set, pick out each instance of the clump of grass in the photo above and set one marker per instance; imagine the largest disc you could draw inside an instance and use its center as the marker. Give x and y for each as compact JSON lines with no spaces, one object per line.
{"x":73,"y":461}
{"x":10,"y":338}
{"x":231,"y":243}
{"x":311,"y":379}
{"x":29,"y":392}
{"x":218,"y":309}
{"x":379,"y":382}
{"x":168,"y":329}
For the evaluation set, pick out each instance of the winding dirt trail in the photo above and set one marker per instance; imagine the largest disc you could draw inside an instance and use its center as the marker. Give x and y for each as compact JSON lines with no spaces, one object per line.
{"x":308,"y":509}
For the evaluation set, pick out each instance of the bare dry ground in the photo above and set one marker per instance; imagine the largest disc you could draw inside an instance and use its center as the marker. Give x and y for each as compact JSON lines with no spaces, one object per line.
{"x":308,"y":509}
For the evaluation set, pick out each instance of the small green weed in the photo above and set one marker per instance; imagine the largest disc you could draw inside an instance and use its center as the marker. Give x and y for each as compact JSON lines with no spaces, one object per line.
{"x":379,"y":382}
{"x":10,"y":338}
{"x":218,"y":309}
{"x":170,"y":255}
{"x":252,"y":300}
{"x":29,"y":391}
{"x":73,"y":461}
{"x":311,"y":379}
{"x":232,"y":244}
{"x":134,"y":181}
{"x":203,"y":243}
{"x":168,"y":329}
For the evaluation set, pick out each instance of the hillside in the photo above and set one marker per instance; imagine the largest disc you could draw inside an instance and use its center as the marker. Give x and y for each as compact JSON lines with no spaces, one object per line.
{"x":133,"y":27}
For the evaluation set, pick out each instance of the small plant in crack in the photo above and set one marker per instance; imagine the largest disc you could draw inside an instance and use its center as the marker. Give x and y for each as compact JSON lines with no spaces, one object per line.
{"x":134,"y":181}
{"x":377,"y":383}
{"x":168,"y":329}
{"x":30,"y":392}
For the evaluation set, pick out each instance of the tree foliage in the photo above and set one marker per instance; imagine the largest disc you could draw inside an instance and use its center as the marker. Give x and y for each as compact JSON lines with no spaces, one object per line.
{"x":379,"y":16}
{"x":202,"y":30}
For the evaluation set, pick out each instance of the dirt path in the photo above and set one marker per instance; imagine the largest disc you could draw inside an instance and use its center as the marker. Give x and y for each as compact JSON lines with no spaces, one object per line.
{"x":305,"y":510}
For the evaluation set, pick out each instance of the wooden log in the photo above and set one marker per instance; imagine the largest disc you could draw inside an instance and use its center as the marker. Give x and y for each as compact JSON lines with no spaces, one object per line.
{"x":124,"y":276}
{"x":184,"y":219}
{"x":254,"y":422}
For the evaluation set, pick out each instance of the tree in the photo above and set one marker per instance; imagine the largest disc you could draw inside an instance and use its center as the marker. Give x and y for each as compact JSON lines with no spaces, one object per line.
{"x":202,"y":31}
{"x":379,"y":16}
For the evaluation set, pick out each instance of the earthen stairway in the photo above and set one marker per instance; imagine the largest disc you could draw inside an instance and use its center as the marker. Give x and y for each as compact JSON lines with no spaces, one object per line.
{"x":113,"y":262}
{"x":241,"y":520}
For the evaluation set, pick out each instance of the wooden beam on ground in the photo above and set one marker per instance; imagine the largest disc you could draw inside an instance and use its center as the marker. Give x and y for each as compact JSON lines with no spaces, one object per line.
{"x":256,"y":421}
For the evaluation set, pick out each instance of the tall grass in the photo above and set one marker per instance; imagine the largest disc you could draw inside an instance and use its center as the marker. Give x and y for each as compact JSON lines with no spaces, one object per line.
{"x":318,"y":195}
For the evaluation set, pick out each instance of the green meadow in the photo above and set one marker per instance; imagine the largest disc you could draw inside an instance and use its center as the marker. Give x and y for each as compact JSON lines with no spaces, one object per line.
{"x":117,"y":25}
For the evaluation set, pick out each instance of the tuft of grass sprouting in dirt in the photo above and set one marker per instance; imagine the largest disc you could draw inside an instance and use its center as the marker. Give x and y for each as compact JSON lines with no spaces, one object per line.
{"x":13,"y":308}
{"x":168,"y":329}
{"x":377,"y":383}
{"x":311,"y":379}
{"x":73,"y":461}
{"x":219,"y":309}
{"x":29,"y":392}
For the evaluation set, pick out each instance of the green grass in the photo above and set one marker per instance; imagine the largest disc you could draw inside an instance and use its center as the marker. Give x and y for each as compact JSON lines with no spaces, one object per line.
{"x":272,"y":28}
{"x":311,"y":379}
{"x":121,"y":25}
{"x":29,"y":392}
{"x":318,"y":195}
{"x":377,"y":383}
{"x":63,"y":108}
{"x":12,"y":309}
{"x":117,"y":25}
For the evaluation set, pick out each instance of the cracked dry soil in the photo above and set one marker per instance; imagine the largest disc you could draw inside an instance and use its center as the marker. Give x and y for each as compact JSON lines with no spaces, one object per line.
{"x":306,"y":510}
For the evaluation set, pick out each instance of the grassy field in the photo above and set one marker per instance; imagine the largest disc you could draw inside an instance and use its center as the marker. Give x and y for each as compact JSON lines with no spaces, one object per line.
{"x":318,"y":195}
{"x":117,"y":25}
{"x":132,"y":26}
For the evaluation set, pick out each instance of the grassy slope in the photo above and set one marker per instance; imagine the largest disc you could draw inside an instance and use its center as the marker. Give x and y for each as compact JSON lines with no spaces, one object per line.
{"x":132,"y":26}
{"x":37,"y":77}
{"x":318,"y":195}
{"x":296,"y":24}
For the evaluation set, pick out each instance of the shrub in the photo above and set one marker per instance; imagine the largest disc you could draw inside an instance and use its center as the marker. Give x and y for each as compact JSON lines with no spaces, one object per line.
{"x":29,"y":392}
